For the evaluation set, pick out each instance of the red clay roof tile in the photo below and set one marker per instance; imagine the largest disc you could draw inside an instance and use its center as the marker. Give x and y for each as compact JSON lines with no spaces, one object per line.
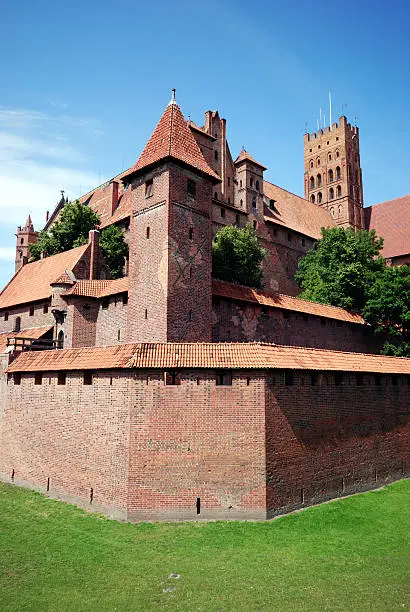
{"x":99,"y":288}
{"x":245,"y":156}
{"x":173,"y":138}
{"x":279,"y":300}
{"x":242,"y":356}
{"x":35,"y":333}
{"x":33,"y":281}
{"x":391,"y":220}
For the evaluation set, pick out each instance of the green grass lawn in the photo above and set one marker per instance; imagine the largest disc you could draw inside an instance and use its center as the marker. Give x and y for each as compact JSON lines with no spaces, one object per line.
{"x":352,"y":554}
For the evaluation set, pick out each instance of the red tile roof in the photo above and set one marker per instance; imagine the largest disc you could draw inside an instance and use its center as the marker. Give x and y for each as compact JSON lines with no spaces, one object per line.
{"x":99,"y":288}
{"x":245,"y":156}
{"x":35,"y":333}
{"x":63,"y":279}
{"x":295,"y":212}
{"x":243,"y":356}
{"x":173,"y":138}
{"x":122,"y":211}
{"x":391,"y":220}
{"x":279,"y":300}
{"x":32,"y":282}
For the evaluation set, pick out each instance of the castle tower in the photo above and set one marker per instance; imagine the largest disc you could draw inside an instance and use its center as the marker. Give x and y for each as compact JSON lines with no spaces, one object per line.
{"x":249,"y":184}
{"x":333,"y":177}
{"x":170,"y":266}
{"x":25,"y":236}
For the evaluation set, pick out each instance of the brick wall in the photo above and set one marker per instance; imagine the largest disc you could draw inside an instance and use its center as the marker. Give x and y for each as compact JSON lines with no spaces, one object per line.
{"x":331,"y":439}
{"x":74,"y":434}
{"x":112,"y":321}
{"x":38,"y":319}
{"x":242,"y":322}
{"x":197,"y":440}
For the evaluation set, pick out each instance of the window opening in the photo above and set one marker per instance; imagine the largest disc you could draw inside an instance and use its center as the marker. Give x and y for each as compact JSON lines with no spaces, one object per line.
{"x":61,"y":378}
{"x":191,"y":188}
{"x":88,"y":377}
{"x":31,"y":311}
{"x":191,"y":233}
{"x":17,"y":324}
{"x":198,"y":505}
{"x":105,"y":303}
{"x":38,"y":378}
{"x":148,"y":232}
{"x":172,"y":377}
{"x":289,"y":378}
{"x":17,"y":378}
{"x":222,"y":212}
{"x":223,"y":378}
{"x":60,"y":339}
{"x":149,"y":188}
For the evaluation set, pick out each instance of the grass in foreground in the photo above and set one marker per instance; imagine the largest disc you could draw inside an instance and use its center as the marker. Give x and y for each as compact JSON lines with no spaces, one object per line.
{"x":352,"y":554}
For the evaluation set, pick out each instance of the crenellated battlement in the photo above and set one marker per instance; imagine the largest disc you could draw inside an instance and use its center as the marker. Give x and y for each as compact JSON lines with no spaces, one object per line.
{"x":341,"y":125}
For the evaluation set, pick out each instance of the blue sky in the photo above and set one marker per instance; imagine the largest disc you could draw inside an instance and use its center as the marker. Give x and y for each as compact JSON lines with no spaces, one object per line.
{"x":84,"y":83}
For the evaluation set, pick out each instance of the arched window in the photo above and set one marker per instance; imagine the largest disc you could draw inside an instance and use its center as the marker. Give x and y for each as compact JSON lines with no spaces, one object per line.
{"x":311,"y":163}
{"x":17,"y":324}
{"x":312,"y":198}
{"x":319,"y":180}
{"x":60,"y":339}
{"x":319,"y":197}
{"x":331,"y":194}
{"x":329,"y":157}
{"x":339,"y":210}
{"x":337,"y":153}
{"x":318,"y":161}
{"x":332,"y":211}
{"x":339,"y":191}
{"x":338,"y":173}
{"x":312,"y":182}
{"x":257,"y":185}
{"x":330,"y":175}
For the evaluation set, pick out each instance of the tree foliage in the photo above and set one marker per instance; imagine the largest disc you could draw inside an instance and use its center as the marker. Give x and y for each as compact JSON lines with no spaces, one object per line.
{"x":237,"y":256}
{"x":341,"y":268}
{"x":388,"y":309}
{"x":71,"y":230}
{"x":345,"y":269}
{"x":114,"y":249}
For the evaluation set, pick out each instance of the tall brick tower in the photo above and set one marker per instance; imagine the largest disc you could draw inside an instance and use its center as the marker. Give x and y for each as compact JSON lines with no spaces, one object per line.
{"x":170,"y":265}
{"x":25,"y":236}
{"x":333,"y":177}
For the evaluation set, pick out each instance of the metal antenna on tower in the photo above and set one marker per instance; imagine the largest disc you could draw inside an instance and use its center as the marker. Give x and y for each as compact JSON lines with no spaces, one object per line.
{"x":330,"y":109}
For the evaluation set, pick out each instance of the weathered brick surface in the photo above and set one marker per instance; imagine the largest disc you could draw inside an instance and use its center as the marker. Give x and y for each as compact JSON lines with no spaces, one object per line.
{"x":327,"y":440}
{"x":241,"y":322}
{"x":254,"y":449}
{"x":38,"y":319}
{"x":111,"y":322}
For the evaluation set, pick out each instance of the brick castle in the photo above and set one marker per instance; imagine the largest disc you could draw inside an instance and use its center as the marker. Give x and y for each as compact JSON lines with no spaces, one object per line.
{"x":167,"y":394}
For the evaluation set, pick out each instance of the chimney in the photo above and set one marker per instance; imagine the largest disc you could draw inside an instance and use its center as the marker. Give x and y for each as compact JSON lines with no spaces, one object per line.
{"x":114,"y":195}
{"x":93,"y":241}
{"x":208,"y":122}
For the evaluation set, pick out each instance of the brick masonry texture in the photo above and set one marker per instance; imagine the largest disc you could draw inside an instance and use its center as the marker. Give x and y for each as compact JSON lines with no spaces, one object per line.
{"x":251,"y":450}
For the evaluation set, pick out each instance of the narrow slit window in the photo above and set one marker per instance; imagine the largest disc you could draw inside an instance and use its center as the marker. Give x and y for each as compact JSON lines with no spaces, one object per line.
{"x":61,"y":378}
{"x":38,"y":378}
{"x":149,"y":188}
{"x":88,"y":377}
{"x":17,"y":378}
{"x":191,"y":233}
{"x":191,"y":188}
{"x":148,"y":232}
{"x":31,"y":311}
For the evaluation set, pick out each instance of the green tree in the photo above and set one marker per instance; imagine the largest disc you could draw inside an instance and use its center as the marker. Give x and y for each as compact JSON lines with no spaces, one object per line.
{"x":237,"y":256}
{"x":388,"y":309}
{"x":341,"y":268}
{"x":114,"y":249}
{"x":71,"y":230}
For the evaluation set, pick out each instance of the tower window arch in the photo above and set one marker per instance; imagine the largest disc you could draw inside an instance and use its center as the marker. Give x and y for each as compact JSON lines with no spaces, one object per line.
{"x":257,"y":185}
{"x":332,"y":211}
{"x":338,"y":173}
{"x":329,"y":157}
{"x":318,"y":161}
{"x":60,"y":339}
{"x":337,"y":153}
{"x":311,"y":163}
{"x":331,"y":194}
{"x":330,"y":176}
{"x":339,"y":191}
{"x":312,"y":198}
{"x":339,"y":210}
{"x":319,"y":197}
{"x":319,"y":180}
{"x":312,"y":182}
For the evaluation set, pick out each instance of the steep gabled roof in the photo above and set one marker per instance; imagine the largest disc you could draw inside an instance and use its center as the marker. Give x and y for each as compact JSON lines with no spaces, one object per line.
{"x":35,"y":333}
{"x":33,"y":281}
{"x":172,"y":138}
{"x":245,"y":156}
{"x":295,"y":212}
{"x":391,"y":220}
{"x":207,"y":355}
{"x":285,"y":302}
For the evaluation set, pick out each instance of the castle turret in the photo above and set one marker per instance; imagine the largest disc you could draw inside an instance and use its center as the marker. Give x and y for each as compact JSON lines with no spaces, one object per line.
{"x":333,"y":177}
{"x":170,"y":273}
{"x":249,"y":188}
{"x":25,"y":236}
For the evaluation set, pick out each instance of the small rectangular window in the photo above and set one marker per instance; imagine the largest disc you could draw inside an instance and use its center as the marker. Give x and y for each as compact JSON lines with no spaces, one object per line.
{"x":149,"y":188}
{"x":191,"y":233}
{"x":17,"y":378}
{"x":224,"y":378}
{"x":191,"y":188}
{"x":272,"y":204}
{"x":45,"y":308}
{"x":222,"y":212}
{"x":125,"y":298}
{"x":314,"y":379}
{"x":88,"y":377}
{"x":38,"y":378}
{"x":338,"y":378}
{"x":105,"y":303}
{"x":6,"y":316}
{"x":289,"y":378}
{"x":31,"y":311}
{"x":238,"y":220}
{"x":61,"y":378}
{"x":289,"y":237}
{"x":172,"y":377}
{"x":229,"y":181}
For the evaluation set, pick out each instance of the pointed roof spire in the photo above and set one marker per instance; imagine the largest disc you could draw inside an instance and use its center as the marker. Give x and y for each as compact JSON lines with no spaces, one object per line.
{"x":244,"y":156}
{"x":172,"y":138}
{"x":29,"y":222}
{"x":172,"y":100}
